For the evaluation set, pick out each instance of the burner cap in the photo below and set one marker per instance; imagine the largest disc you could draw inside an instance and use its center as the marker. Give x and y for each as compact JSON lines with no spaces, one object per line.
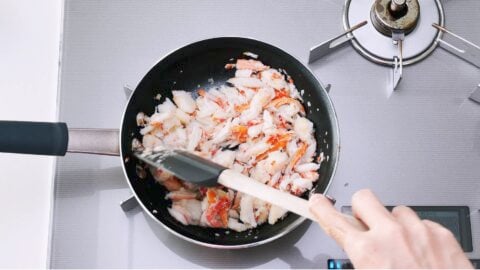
{"x":374,"y":42}
{"x":395,"y":16}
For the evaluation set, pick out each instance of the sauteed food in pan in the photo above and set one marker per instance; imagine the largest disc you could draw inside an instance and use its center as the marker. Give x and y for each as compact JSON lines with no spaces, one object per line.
{"x":255,"y":124}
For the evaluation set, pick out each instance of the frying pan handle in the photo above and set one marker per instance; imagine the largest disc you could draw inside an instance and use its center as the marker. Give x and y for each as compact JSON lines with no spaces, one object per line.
{"x":55,"y":139}
{"x":94,"y":141}
{"x":38,"y":138}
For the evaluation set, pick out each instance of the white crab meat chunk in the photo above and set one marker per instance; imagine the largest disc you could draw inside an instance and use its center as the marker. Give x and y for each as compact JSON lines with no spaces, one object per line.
{"x":179,"y":214}
{"x":244,"y":73}
{"x":311,"y":149}
{"x":306,"y":167}
{"x":206,"y":107}
{"x":286,"y":182}
{"x":194,"y":134}
{"x":292,"y":147}
{"x":181,"y":194}
{"x":256,"y":149}
{"x":147,"y":129}
{"x":250,"y":64}
{"x":275,"y":214}
{"x":247,"y":93}
{"x":260,"y":173}
{"x":151,"y":142}
{"x":288,"y":111}
{"x":261,"y":211}
{"x":274,"y":179}
{"x":294,"y":92}
{"x":182,"y":116}
{"x":246,"y":211}
{"x":186,"y":211}
{"x":194,"y":207}
{"x":184,"y":101}
{"x":274,"y":79}
{"x":235,"y":225}
{"x":259,"y":100}
{"x":233,"y":96}
{"x":254,"y":131}
{"x":233,"y":214}
{"x":242,"y":82}
{"x":204,"y":204}
{"x":177,"y":138}
{"x":224,"y":158}
{"x":165,"y":111}
{"x":303,"y":128}
{"x":222,"y":132}
{"x":301,"y":184}
{"x":142,"y":119}
{"x":268,"y":126}
{"x":171,"y":123}
{"x":238,"y":167}
{"x":275,"y":162}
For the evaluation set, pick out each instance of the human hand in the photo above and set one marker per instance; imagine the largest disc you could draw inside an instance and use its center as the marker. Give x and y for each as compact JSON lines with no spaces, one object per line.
{"x":391,"y":240}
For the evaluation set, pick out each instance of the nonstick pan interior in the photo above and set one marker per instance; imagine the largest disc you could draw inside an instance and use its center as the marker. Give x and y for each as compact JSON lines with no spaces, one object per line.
{"x":190,"y":68}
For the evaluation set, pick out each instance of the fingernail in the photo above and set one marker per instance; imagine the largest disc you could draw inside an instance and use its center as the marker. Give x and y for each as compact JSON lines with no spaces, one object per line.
{"x":331,"y":199}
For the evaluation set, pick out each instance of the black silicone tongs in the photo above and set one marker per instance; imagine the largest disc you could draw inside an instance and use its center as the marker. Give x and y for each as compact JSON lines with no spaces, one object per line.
{"x":189,"y":167}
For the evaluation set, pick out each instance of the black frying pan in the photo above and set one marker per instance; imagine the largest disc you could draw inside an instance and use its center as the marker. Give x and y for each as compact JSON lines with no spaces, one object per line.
{"x":187,"y":68}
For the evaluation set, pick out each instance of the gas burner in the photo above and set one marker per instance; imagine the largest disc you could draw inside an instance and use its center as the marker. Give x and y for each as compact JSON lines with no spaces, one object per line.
{"x":374,"y":41}
{"x":396,"y":33}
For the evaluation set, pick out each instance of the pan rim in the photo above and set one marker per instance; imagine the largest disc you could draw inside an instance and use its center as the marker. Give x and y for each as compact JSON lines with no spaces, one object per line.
{"x":286,"y":230}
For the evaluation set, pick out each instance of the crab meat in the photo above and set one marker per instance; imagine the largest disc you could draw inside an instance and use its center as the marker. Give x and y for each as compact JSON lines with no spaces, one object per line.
{"x":223,"y":133}
{"x":188,"y":211}
{"x":242,"y":82}
{"x":261,"y":98}
{"x":274,"y":79}
{"x":142,"y":119}
{"x":260,"y":173}
{"x":275,"y":214}
{"x":235,"y":225}
{"x":184,"y":101}
{"x":179,"y":214}
{"x":224,"y":158}
{"x":303,"y":128}
{"x":181,"y":194}
{"x":253,"y":124}
{"x":244,"y":73}
{"x":306,"y":167}
{"x":182,"y":116}
{"x":250,"y":64}
{"x":275,"y":162}
{"x":246,"y":211}
{"x":151,"y":142}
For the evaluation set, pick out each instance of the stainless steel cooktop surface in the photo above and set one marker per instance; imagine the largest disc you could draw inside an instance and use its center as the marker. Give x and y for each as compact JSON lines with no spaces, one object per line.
{"x":419,"y":145}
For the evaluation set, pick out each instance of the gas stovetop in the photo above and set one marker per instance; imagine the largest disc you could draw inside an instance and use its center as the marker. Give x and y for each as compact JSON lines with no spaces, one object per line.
{"x":416,"y":145}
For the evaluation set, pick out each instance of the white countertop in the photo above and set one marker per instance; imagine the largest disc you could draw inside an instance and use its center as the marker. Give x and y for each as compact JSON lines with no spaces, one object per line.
{"x":29,"y":53}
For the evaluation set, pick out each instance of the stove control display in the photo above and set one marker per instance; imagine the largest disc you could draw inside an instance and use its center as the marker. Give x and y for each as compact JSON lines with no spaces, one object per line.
{"x":454,"y":218}
{"x":339,"y":264}
{"x":346,"y":264}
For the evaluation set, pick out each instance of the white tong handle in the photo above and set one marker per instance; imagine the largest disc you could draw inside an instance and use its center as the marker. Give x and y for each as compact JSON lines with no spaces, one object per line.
{"x":237,"y":181}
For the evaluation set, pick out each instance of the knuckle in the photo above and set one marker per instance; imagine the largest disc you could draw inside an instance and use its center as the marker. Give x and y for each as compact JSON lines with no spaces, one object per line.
{"x":444,"y":233}
{"x":420,"y":229}
{"x":393,"y":228}
{"x":362,"y":193}
{"x":361,"y":245}
{"x":399,"y":209}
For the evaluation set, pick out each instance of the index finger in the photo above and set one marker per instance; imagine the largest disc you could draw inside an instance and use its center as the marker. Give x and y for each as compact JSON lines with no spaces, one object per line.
{"x":334,"y":223}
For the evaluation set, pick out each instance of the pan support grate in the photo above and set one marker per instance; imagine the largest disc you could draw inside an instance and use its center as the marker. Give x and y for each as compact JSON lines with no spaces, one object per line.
{"x":397,"y":33}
